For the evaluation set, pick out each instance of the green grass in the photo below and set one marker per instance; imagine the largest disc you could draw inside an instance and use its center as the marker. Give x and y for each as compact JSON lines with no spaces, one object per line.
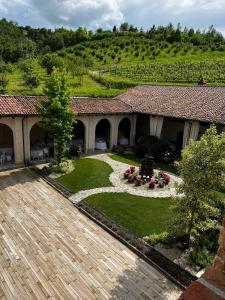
{"x":140,"y":215}
{"x":128,"y":159}
{"x":88,"y":174}
{"x":133,"y":160}
{"x":88,"y":87}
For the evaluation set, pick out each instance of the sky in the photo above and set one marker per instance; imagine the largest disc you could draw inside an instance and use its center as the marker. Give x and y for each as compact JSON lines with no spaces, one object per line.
{"x":105,"y":13}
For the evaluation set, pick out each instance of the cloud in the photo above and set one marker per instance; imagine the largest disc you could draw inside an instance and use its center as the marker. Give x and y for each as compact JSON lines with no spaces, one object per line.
{"x":74,"y":13}
{"x":105,"y":13}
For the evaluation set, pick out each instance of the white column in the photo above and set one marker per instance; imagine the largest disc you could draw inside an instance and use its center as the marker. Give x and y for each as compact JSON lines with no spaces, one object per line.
{"x":18,"y":141}
{"x":86,"y":131}
{"x":114,"y":127}
{"x":26,"y":140}
{"x":187,"y":127}
{"x":91,"y":135}
{"x":133,"y":130}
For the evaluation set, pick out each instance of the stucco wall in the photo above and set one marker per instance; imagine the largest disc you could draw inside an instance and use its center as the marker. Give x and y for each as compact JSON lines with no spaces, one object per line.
{"x":21,"y":128}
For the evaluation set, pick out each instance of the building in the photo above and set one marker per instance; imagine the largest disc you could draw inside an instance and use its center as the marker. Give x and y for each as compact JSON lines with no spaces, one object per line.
{"x":172,"y":113}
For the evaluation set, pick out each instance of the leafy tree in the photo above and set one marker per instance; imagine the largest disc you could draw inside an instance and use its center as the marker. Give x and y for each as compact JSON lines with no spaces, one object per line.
{"x":99,"y":30}
{"x":58,"y":118}
{"x":202,"y":169}
{"x":3,"y":83}
{"x":124,"y":27}
{"x":26,"y":65}
{"x":31,"y":79}
{"x":51,"y":61}
{"x":114,"y":28}
{"x":56,"y":41}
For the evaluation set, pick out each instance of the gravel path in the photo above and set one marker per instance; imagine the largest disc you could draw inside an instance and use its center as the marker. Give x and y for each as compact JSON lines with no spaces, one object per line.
{"x":122,"y":186}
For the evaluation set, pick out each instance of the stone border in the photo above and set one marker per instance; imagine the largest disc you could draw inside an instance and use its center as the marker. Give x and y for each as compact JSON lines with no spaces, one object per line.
{"x":119,"y":185}
{"x":149,"y":254}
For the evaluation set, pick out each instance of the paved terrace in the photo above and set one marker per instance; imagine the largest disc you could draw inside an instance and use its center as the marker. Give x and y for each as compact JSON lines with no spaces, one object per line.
{"x":49,"y":250}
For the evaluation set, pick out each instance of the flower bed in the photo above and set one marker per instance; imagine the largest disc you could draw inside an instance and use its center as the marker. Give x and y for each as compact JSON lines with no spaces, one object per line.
{"x":159,"y":180}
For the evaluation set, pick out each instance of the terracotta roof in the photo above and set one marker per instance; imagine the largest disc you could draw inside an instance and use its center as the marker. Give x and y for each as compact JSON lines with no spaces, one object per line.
{"x":194,"y":103}
{"x":17,"y":105}
{"x":25,"y":105}
{"x":100,"y":106}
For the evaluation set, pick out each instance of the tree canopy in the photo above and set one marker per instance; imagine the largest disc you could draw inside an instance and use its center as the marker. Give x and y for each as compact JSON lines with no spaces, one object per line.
{"x":18,"y":42}
{"x":58,"y":118}
{"x":202,"y":169}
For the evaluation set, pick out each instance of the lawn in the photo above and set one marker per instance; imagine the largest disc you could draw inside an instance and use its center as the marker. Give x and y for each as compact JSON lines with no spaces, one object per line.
{"x":140,"y":215}
{"x":88,"y":174}
{"x":133,"y":160}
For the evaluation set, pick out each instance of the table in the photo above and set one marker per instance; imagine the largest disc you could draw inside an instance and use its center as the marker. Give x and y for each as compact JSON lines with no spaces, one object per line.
{"x":100,"y":144}
{"x":37,"y":154}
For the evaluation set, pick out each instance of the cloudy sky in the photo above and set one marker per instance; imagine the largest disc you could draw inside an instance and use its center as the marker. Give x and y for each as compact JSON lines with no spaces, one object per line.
{"x":105,"y":13}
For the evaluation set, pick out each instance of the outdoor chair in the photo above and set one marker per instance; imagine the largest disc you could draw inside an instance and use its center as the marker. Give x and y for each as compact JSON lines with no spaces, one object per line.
{"x":2,"y":159}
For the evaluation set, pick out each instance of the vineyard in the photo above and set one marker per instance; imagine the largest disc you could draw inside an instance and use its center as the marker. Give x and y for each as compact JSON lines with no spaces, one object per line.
{"x":179,"y":72}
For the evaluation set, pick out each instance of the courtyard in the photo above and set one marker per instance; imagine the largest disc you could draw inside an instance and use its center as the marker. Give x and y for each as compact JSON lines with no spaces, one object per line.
{"x":50,"y":250}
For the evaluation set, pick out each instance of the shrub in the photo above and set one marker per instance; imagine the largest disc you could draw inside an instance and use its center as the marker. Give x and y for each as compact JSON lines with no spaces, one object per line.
{"x":154,"y":239}
{"x":63,"y":167}
{"x":112,"y":83}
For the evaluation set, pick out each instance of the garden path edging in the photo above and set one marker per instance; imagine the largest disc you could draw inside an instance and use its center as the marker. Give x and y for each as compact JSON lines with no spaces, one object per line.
{"x":120,"y":186}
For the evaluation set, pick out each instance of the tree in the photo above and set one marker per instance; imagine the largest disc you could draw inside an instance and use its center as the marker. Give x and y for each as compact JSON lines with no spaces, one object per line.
{"x":99,"y":30}
{"x":31,"y":79}
{"x":49,"y":61}
{"x":124,"y":27}
{"x":76,"y":66}
{"x":4,"y":70}
{"x":114,"y":28}
{"x":58,"y":118}
{"x":3,"y":83}
{"x":202,"y":169}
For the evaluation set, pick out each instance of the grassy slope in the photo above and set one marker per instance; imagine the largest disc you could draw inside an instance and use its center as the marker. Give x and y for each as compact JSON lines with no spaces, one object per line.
{"x":140,"y":215}
{"x":88,"y":174}
{"x":116,"y":54}
{"x":89,"y":87}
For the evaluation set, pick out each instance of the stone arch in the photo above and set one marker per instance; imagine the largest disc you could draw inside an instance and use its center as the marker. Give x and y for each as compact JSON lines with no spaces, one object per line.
{"x":41,"y":146}
{"x":124,"y":132}
{"x":103,"y":134}
{"x":7,"y":147}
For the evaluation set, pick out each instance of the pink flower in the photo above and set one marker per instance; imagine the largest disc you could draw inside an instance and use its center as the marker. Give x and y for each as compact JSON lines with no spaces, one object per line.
{"x":152,"y":183}
{"x":132,"y":169}
{"x":130,"y":178}
{"x":138,"y":180}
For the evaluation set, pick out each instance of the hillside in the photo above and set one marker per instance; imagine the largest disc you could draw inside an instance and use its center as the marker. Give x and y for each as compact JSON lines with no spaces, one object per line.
{"x":107,"y":63}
